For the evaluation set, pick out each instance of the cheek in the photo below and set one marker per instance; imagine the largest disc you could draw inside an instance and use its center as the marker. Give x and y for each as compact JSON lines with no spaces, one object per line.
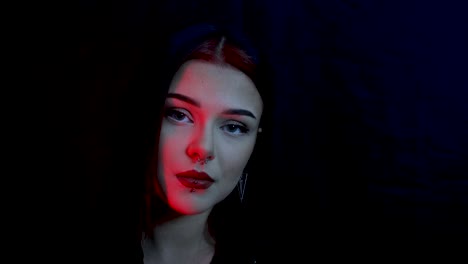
{"x":235,"y":157}
{"x":171,"y":145}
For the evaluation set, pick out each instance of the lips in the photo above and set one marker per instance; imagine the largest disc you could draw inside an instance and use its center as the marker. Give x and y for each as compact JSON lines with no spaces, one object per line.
{"x":194,"y":179}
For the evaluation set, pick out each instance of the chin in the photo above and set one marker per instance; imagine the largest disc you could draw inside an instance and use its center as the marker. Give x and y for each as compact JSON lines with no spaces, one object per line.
{"x":188,"y":206}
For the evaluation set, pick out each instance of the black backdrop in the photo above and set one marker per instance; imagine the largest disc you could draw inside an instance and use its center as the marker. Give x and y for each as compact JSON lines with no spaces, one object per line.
{"x":371,"y":124}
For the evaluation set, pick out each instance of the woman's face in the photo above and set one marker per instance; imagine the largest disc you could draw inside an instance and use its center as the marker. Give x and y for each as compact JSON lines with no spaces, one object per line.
{"x":211,"y":113}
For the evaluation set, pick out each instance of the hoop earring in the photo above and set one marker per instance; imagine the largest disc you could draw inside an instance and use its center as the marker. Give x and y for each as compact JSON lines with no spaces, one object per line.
{"x":241,"y":185}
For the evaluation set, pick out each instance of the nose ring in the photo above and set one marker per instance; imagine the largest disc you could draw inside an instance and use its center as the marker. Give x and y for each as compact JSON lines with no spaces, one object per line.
{"x":203,"y":161}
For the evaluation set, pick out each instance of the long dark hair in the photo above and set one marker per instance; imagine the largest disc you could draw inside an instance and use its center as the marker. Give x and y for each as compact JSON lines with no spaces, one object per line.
{"x":227,"y":223}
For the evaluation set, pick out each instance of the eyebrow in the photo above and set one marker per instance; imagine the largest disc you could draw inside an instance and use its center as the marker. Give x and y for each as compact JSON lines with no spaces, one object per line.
{"x":239,"y":112}
{"x":197,"y":104}
{"x":183,"y":98}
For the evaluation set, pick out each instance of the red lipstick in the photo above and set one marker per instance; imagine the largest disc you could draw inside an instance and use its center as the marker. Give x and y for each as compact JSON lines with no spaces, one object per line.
{"x":195,"y":179}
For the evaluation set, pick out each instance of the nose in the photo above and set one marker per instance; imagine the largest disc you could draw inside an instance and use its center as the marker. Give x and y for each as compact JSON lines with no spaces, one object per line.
{"x":201,"y":146}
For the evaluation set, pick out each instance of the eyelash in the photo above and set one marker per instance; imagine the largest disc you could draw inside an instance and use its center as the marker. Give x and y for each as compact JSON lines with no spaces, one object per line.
{"x":237,"y":126}
{"x":169,"y":113}
{"x":243,"y":129}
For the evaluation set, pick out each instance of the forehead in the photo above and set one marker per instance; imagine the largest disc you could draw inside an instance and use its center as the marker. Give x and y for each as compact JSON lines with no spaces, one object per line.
{"x":216,"y":84}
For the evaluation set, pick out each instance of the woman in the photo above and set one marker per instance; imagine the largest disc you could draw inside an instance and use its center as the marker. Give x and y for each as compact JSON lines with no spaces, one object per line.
{"x":202,"y":151}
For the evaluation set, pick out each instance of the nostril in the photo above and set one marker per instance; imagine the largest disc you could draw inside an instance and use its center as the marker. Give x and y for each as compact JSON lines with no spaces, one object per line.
{"x":199,"y":155}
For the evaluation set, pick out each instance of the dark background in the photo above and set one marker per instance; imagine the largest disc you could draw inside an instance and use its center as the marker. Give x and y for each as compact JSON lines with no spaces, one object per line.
{"x":371,"y":121}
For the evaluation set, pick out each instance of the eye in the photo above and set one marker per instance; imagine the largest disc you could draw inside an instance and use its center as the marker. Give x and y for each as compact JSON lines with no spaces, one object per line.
{"x":177,"y":115}
{"x":236,"y":129}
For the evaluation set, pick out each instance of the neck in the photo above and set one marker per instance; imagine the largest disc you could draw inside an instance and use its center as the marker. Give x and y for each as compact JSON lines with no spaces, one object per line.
{"x":183,"y":229}
{"x":180,"y":233}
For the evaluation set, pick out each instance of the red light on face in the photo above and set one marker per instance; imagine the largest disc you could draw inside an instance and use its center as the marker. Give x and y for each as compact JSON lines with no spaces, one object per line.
{"x":211,"y":114}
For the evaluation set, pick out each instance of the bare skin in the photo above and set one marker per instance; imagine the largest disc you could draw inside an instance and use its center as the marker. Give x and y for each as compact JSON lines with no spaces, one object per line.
{"x":182,"y":240}
{"x":206,"y":129}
